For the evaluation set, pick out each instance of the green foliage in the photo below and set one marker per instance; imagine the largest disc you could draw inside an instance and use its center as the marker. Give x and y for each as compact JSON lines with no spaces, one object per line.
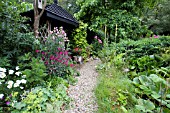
{"x":158,"y":19}
{"x":128,"y":26}
{"x":154,"y":88}
{"x":34,"y":69}
{"x":101,"y":14}
{"x":145,"y":63}
{"x":44,"y":100}
{"x":112,"y":95}
{"x":79,"y":39}
{"x":32,"y":88}
{"x":14,"y":42}
{"x":146,"y":46}
{"x":97,"y":45}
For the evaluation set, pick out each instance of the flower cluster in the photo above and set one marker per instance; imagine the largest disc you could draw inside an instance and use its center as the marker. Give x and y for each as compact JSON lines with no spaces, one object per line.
{"x":77,"y":51}
{"x":53,"y":60}
{"x":98,"y":39}
{"x":10,"y":80}
{"x":59,"y":33}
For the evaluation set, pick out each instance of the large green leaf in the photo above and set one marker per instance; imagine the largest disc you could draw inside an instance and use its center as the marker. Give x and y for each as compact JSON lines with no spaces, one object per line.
{"x":143,"y":79}
{"x":156,"y":78}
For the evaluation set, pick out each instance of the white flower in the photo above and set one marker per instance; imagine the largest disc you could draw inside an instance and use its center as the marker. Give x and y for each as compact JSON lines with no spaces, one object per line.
{"x":151,"y":56}
{"x":17,"y":68}
{"x":18,"y":73}
{"x":16,"y":84}
{"x":10,"y":83}
{"x":126,"y":70}
{"x":22,"y":87}
{"x":2,"y":69}
{"x":11,"y":72}
{"x":23,"y":81}
{"x":24,"y":76}
{"x":1,"y":96}
{"x":2,"y":75}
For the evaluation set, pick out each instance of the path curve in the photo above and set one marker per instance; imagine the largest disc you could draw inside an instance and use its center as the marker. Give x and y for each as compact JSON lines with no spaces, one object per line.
{"x":82,"y":93}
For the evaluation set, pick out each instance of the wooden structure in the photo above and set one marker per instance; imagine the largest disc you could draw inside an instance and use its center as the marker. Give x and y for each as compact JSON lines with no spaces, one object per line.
{"x":54,"y":16}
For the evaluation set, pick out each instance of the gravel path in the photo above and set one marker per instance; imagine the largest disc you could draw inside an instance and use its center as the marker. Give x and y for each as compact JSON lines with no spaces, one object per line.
{"x":82,"y":93}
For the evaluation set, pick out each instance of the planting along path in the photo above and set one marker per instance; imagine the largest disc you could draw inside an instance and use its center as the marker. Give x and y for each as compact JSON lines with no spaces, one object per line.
{"x":82,"y":93}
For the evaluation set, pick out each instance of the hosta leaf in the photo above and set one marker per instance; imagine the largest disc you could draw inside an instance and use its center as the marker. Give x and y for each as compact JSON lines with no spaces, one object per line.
{"x":168,"y":105}
{"x":137,"y":90}
{"x":143,"y":79}
{"x":155,"y":95}
{"x":168,"y":95}
{"x":149,"y":105}
{"x":140,"y":107}
{"x":144,"y":87}
{"x":136,"y":81}
{"x":156,"y":78}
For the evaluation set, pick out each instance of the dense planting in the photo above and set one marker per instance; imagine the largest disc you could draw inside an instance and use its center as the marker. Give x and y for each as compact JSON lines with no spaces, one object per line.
{"x":145,"y":63}
{"x":34,"y":72}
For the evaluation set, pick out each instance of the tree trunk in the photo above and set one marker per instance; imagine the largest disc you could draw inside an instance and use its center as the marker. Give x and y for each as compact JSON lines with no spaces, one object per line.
{"x":37,"y":16}
{"x":36,"y":25}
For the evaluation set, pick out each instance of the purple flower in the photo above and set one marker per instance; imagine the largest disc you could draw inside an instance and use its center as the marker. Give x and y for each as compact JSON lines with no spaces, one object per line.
{"x":7,"y":103}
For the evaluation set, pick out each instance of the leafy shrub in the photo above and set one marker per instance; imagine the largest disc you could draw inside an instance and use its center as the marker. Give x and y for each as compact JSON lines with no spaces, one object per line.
{"x":147,"y":46}
{"x":97,"y":45}
{"x":41,"y":99}
{"x":79,"y":39}
{"x":14,"y":40}
{"x":128,"y":26}
{"x":146,"y":64}
{"x":155,"y":91}
{"x":34,"y":68}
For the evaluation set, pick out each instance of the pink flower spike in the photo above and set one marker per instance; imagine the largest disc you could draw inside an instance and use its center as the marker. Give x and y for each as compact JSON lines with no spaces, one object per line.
{"x":99,"y":41}
{"x":37,"y":51}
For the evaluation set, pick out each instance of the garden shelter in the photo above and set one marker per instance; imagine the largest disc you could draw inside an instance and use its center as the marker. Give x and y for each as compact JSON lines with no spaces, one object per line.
{"x":54,"y":16}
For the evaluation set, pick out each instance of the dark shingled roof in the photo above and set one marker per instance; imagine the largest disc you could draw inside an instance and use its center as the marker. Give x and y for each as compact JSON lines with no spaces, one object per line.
{"x":56,"y":12}
{"x":59,"y":11}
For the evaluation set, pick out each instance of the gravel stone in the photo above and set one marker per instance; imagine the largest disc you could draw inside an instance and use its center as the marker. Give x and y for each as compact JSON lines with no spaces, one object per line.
{"x":84,"y":100}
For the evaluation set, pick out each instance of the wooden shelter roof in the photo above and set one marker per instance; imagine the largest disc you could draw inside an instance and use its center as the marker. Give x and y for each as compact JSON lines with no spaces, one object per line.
{"x":55,"y":12}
